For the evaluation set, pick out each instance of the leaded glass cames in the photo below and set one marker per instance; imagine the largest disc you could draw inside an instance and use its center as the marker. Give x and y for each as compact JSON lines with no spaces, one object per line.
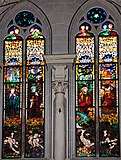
{"x":85,"y":93}
{"x":14,"y":81}
{"x":108,"y":80}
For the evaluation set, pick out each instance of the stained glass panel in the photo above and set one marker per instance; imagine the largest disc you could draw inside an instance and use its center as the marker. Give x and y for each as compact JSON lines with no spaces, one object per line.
{"x":85,"y":132}
{"x":108,"y":93}
{"x":34,"y":147}
{"x":96,"y":15}
{"x":35,"y":74}
{"x":12,"y":108}
{"x":85,"y":49}
{"x":35,"y":50}
{"x":107,"y":28}
{"x":13,"y":74}
{"x":13,"y":53}
{"x":35,"y":32}
{"x":108,"y":71}
{"x":13,"y":33}
{"x":109,"y":129}
{"x":85,"y":29}
{"x":108,"y":49}
{"x":85,"y":72}
{"x":85,"y":94}
{"x":24,"y":19}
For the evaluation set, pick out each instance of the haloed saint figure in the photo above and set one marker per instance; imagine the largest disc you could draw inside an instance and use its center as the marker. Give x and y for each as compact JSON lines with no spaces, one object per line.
{"x":12,"y":100}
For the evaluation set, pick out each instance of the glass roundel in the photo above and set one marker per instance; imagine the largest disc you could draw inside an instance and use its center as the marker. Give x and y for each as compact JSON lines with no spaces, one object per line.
{"x":24,"y":18}
{"x":96,"y":15}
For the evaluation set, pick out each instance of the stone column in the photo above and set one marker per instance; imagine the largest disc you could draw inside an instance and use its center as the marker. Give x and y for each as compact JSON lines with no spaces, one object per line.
{"x":60,"y":65}
{"x":59,"y":120}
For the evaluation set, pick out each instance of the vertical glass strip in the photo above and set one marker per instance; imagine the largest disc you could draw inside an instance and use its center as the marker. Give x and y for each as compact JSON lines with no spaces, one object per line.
{"x":12,"y":106}
{"x":108,"y":96}
{"x":85,"y":97}
{"x":34,"y":147}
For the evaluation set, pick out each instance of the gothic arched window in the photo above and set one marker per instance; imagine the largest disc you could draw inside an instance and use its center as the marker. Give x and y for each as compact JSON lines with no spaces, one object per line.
{"x":35,"y":44}
{"x":85,"y":85}
{"x":97,"y":85}
{"x":24,"y":103}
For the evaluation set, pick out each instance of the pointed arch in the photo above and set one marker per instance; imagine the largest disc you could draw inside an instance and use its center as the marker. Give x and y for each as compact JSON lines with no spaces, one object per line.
{"x":79,"y":14}
{"x":42,"y":39}
{"x":12,"y":96}
{"x":26,"y":5}
{"x":80,"y":17}
{"x":108,"y":90}
{"x":35,"y":95}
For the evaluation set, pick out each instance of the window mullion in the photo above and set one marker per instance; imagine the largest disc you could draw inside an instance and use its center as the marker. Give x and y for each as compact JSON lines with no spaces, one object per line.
{"x":97,"y":94}
{"x":24,"y":99}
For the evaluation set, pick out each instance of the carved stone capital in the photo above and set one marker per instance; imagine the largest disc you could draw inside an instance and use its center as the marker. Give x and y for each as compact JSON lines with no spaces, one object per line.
{"x":59,"y":87}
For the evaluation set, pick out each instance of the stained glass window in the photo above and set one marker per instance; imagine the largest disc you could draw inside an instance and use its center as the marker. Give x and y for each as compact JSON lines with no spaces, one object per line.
{"x":104,"y":65}
{"x":85,"y":93}
{"x":35,"y":32}
{"x":13,"y":33}
{"x":24,"y":68}
{"x":35,"y":94}
{"x":107,"y":28}
{"x":24,"y":19}
{"x":12,"y":107}
{"x":96,"y":15}
{"x":108,"y":92}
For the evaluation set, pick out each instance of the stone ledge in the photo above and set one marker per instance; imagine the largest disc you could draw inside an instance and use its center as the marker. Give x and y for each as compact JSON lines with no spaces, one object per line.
{"x":60,"y":59}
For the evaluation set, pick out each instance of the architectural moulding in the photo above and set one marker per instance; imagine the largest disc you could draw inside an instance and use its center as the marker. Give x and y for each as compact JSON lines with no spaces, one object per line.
{"x":4,"y":2}
{"x":59,"y":63}
{"x":60,"y":59}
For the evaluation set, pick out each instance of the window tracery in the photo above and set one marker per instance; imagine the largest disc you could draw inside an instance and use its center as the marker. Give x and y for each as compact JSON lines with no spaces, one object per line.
{"x":106,"y":62}
{"x":14,"y":82}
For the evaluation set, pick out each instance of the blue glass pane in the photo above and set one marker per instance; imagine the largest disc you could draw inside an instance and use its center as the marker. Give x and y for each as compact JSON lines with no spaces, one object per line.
{"x":111,"y":18}
{"x":81,"y":19}
{"x":38,"y":21}
{"x":10,"y":23}
{"x":96,"y":15}
{"x":24,"y":19}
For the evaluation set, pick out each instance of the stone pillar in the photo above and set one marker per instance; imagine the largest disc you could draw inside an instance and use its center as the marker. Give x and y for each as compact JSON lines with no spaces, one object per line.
{"x":60,"y":65}
{"x":59,"y":120}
